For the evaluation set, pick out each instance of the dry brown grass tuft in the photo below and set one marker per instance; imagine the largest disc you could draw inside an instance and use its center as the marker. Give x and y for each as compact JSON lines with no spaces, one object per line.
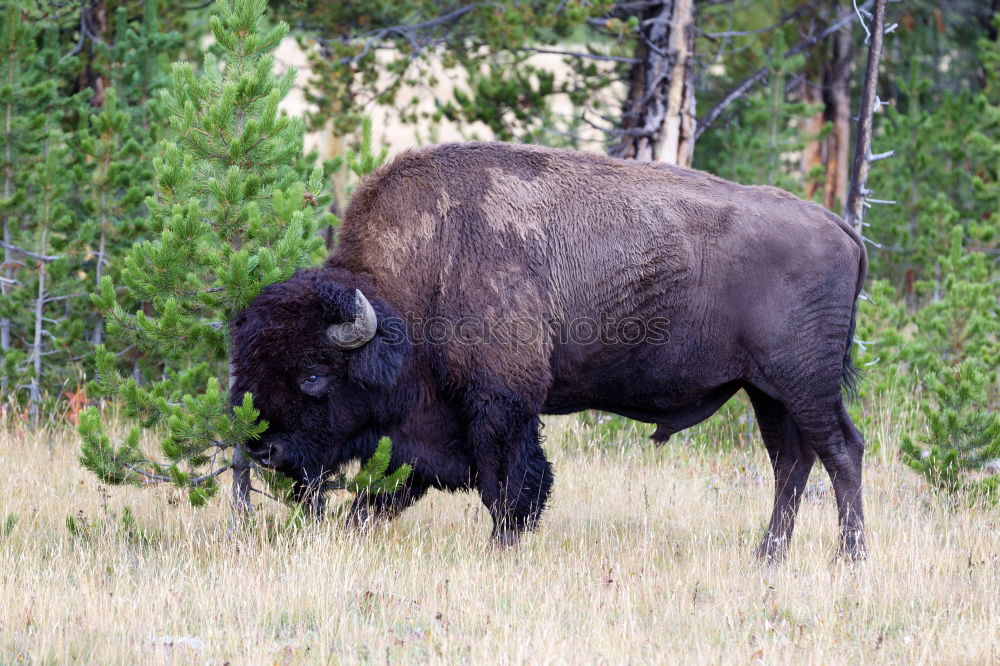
{"x":645,"y":556}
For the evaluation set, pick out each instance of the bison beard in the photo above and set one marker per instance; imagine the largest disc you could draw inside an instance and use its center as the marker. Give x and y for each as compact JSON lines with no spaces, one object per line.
{"x":754,"y":288}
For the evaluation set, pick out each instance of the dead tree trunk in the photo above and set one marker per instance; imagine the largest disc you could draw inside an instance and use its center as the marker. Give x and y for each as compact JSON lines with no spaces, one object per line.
{"x":35,"y":357}
{"x":8,"y":190}
{"x":658,"y":121}
{"x":863,"y":157}
{"x":240,"y":503}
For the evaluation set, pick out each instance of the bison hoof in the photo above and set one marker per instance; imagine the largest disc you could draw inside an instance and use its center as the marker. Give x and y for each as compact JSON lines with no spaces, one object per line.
{"x":362,"y":518}
{"x":852,"y":548}
{"x":505,"y":539}
{"x":772,"y":551}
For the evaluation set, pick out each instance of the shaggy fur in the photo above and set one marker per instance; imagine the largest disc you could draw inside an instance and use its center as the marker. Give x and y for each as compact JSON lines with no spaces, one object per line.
{"x":737,"y":287}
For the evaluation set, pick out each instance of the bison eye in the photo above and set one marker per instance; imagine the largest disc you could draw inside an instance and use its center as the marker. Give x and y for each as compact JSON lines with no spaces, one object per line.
{"x":315,"y":383}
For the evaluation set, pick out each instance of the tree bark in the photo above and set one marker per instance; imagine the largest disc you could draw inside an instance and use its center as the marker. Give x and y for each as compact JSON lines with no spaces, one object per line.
{"x":854,"y":210}
{"x":8,"y":190}
{"x":811,"y":126}
{"x":240,"y":503}
{"x":96,"y":16}
{"x":837,"y":100}
{"x":658,"y":122}
{"x":34,"y":387}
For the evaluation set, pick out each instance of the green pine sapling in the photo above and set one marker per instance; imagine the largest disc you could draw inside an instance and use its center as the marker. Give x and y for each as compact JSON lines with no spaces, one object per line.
{"x":231,"y":214}
{"x":963,"y":433}
{"x":957,"y":353}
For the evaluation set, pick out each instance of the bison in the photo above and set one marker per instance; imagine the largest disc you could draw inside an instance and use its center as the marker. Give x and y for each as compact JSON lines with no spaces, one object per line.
{"x":477,"y":286}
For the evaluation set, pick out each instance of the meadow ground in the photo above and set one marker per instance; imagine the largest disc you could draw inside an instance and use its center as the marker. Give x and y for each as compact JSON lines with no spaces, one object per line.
{"x":645,"y":556}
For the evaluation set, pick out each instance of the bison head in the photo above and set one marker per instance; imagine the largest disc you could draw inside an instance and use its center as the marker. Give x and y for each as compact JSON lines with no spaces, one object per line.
{"x":323,"y":361}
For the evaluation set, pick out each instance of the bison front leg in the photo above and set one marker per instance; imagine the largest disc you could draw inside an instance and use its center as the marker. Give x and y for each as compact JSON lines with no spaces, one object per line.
{"x":512,"y":474}
{"x":368,"y":510}
{"x":310,"y":494}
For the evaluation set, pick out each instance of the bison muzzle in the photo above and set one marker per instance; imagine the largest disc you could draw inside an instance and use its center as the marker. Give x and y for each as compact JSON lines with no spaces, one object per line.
{"x":479,"y":285}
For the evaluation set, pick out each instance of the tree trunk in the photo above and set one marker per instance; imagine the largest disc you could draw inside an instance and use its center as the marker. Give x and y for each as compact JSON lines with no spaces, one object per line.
{"x":336,"y":147}
{"x":8,"y":190}
{"x":97,"y":336}
{"x":658,"y":122}
{"x":34,"y":387}
{"x":811,"y":127}
{"x":854,"y":210}
{"x":837,"y":81}
{"x":240,"y":504}
{"x":91,"y":76}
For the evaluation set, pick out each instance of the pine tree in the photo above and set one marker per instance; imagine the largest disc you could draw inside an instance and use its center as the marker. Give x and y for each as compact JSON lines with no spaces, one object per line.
{"x":964,"y":433}
{"x":112,"y":148}
{"x":233,"y":212}
{"x":121,"y":132}
{"x":38,"y":239}
{"x":961,"y":320}
{"x":26,"y":94}
{"x":49,"y":225}
{"x":956,"y":354}
{"x":119,"y":178}
{"x":229,"y":216}
{"x":137,"y":62}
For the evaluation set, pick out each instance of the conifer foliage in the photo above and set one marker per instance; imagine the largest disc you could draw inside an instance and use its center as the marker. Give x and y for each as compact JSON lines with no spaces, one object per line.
{"x":230,"y":215}
{"x":964,"y":434}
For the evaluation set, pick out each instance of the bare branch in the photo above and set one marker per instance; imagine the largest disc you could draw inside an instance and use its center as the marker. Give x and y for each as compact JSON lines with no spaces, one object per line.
{"x":578,"y":54}
{"x":614,"y":131}
{"x":741,"y":89}
{"x":53,"y":299}
{"x":789,"y":16}
{"x":28,"y":253}
{"x":411,"y":33}
{"x":159,"y":478}
{"x":79,"y":45}
{"x":261,"y":492}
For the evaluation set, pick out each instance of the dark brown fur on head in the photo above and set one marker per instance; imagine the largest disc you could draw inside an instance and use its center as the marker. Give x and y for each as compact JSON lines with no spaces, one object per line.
{"x":324,"y":406}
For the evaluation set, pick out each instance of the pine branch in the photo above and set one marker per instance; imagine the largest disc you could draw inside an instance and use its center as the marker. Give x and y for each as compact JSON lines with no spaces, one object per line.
{"x":581,"y":55}
{"x":159,"y":478}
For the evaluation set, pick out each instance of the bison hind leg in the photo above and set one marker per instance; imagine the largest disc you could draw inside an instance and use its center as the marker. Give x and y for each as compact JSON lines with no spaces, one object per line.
{"x":828,"y":430}
{"x":792,"y":460}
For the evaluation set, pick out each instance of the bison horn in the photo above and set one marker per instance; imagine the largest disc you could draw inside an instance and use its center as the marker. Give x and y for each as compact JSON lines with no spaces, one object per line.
{"x":353,"y":334}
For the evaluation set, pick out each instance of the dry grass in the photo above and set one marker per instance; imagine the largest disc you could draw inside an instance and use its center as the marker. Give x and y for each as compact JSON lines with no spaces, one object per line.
{"x":644,"y":557}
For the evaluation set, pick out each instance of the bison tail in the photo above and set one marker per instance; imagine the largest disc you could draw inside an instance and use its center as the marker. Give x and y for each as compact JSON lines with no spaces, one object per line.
{"x":851,"y":378}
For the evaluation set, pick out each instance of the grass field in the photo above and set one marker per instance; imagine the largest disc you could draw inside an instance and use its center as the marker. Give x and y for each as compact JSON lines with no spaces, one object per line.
{"x":645,"y":556}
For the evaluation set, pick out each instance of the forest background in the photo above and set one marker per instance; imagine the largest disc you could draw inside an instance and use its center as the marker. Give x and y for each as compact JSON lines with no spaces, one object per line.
{"x":96,"y":125}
